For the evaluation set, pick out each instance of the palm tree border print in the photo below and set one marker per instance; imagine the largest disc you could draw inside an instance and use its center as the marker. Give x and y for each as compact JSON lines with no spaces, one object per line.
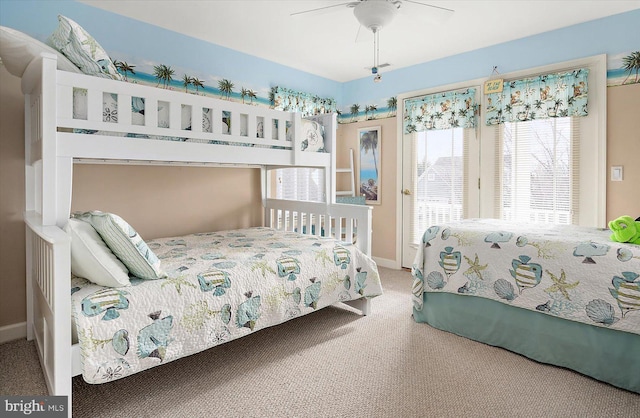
{"x":623,"y":70}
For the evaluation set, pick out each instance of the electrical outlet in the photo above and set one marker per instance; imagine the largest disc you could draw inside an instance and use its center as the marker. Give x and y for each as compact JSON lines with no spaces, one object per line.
{"x":616,"y":173}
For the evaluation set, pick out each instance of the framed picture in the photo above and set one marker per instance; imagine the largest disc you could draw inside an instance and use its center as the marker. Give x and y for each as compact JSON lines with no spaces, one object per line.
{"x":369,"y":140}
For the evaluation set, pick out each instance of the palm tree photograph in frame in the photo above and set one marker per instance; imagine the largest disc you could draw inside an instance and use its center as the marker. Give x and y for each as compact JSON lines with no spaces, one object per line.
{"x":370,"y":164}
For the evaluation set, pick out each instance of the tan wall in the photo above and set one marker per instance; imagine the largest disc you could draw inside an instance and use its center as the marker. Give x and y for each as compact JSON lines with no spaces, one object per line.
{"x":12,"y":232}
{"x":623,"y":149}
{"x":383,"y":235}
{"x":156,"y":201}
{"x":170,"y":201}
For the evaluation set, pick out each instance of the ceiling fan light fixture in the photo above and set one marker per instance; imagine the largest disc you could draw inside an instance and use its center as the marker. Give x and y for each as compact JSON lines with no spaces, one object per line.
{"x":375,"y":14}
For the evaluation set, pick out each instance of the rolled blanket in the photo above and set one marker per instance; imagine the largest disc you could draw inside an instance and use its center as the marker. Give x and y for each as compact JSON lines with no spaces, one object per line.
{"x":625,"y":229}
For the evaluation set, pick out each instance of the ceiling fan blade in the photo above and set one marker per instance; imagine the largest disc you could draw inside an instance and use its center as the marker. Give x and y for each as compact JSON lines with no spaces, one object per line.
{"x":425,"y":13}
{"x":320,"y":9}
{"x":444,"y":9}
{"x":386,"y":64}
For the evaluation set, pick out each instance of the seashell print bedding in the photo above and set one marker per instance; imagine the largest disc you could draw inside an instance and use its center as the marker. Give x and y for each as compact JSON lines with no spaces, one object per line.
{"x":220,"y":286}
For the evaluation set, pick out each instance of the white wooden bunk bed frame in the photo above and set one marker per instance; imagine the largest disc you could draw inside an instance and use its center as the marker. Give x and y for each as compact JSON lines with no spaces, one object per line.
{"x":51,"y":147}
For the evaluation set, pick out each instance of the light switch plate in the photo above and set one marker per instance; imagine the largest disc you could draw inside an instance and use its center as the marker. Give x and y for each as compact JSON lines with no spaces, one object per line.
{"x":616,"y":173}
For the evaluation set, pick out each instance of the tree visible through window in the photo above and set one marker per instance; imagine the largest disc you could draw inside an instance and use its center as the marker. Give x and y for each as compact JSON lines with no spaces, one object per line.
{"x":538,"y":164}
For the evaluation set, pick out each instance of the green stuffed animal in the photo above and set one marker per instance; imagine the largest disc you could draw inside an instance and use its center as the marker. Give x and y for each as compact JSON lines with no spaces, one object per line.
{"x":625,"y":229}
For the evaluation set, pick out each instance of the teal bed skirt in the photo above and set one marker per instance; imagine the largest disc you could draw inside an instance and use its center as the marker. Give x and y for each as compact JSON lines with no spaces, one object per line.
{"x":604,"y":354}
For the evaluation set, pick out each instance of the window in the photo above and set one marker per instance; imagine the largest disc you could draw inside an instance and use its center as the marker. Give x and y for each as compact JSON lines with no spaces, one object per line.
{"x":539,"y":162}
{"x":300,"y":184}
{"x":543,"y":153}
{"x":440,"y":174}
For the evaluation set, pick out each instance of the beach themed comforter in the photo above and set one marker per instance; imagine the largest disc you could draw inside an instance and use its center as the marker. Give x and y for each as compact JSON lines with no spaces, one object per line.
{"x":220,"y":286}
{"x":570,"y":272}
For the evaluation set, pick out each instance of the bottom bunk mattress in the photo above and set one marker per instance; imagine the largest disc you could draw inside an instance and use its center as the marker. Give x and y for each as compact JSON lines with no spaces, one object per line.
{"x":219,"y":286}
{"x":562,"y":295}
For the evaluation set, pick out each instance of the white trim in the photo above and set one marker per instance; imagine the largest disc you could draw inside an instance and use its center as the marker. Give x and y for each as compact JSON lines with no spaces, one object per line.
{"x":385,"y":262}
{"x":13,"y":332}
{"x":475,"y":83}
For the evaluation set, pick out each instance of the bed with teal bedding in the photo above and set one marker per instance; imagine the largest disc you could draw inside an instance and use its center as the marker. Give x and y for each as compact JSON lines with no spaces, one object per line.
{"x":219,"y":286}
{"x":562,"y":295}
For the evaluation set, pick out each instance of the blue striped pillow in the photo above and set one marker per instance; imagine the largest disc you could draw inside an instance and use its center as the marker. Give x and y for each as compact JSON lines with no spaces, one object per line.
{"x":125,"y":243}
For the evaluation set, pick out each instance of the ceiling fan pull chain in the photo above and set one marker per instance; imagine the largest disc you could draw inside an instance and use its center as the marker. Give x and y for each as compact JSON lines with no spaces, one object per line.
{"x":377,"y":48}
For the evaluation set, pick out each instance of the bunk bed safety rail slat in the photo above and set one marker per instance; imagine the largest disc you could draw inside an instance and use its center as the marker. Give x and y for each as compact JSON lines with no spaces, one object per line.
{"x":85,"y":97}
{"x":347,"y":223}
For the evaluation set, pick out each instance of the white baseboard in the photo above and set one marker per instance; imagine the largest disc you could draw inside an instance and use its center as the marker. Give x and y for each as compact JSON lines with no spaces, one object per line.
{"x":385,"y":262}
{"x":13,"y":332}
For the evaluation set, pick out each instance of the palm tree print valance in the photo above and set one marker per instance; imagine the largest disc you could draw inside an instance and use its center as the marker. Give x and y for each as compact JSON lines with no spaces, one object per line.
{"x":451,"y":109}
{"x":546,"y":96}
{"x":305,"y":103}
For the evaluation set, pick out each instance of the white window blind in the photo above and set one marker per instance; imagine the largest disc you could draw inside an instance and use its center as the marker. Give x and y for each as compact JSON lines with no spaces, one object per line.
{"x":538,"y":164}
{"x":300,"y":184}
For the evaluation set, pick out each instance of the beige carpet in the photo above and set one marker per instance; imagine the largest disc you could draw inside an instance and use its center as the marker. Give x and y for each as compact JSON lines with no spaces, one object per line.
{"x":336,"y":363}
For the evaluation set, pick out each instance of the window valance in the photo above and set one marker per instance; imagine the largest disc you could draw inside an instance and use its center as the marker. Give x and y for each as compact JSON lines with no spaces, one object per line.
{"x":546,"y":96}
{"x":446,"y":110}
{"x":301,"y":102}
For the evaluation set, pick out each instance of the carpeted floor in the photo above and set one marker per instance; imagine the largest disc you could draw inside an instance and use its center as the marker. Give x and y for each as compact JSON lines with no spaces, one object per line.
{"x":336,"y":363}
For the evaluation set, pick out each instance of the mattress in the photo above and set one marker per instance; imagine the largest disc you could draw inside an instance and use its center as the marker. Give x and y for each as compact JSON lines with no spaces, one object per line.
{"x":220,"y":286}
{"x":570,"y":272}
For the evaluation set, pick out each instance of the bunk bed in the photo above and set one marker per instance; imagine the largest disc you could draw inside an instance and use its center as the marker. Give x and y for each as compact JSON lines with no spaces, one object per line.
{"x":559,"y":294}
{"x":65,"y":123}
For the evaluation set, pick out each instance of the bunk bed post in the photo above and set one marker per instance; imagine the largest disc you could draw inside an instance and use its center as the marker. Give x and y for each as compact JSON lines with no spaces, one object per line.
{"x":64,"y":181}
{"x":266,"y":191}
{"x":48,"y":248}
{"x":42,"y":133}
{"x":330,"y":146}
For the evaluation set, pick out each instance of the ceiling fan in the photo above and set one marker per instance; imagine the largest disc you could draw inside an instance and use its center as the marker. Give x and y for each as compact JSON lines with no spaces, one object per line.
{"x":376,"y":14}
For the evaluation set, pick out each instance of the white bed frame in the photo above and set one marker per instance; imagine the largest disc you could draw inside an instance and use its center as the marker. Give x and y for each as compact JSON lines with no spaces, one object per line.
{"x":51,"y":148}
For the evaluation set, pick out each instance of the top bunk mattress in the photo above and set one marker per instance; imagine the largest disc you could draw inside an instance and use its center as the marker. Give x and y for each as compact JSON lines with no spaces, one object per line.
{"x":220,"y":286}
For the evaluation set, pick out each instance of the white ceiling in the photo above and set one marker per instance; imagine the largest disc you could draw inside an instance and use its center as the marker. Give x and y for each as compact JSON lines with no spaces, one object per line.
{"x":324,"y":43}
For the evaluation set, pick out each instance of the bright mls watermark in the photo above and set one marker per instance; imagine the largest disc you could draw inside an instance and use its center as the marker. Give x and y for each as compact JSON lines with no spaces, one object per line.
{"x":36,"y":406}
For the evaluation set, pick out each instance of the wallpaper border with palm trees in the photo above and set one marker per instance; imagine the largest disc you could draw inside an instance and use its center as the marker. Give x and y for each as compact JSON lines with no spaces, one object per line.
{"x":623,"y":69}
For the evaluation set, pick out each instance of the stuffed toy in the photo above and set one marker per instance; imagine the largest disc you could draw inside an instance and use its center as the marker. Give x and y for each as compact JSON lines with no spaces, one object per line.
{"x":625,"y":229}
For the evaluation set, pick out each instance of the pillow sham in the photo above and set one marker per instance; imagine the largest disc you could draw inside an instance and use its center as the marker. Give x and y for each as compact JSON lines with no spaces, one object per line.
{"x":125,"y":243}
{"x":92,"y":259}
{"x":313,"y":134}
{"x":17,"y":50}
{"x":82,"y":49}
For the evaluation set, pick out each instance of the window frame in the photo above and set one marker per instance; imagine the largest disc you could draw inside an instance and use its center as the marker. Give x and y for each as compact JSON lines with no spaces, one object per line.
{"x":593,"y":158}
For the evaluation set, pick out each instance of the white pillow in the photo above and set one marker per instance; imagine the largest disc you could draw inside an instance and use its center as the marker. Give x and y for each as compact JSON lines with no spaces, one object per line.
{"x":82,"y":49}
{"x":18,"y":49}
{"x":313,"y":134}
{"x":92,"y":259}
{"x":125,"y":243}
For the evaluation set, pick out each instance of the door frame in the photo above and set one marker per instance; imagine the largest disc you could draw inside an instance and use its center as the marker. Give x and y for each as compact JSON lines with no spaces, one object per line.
{"x":478,"y":83}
